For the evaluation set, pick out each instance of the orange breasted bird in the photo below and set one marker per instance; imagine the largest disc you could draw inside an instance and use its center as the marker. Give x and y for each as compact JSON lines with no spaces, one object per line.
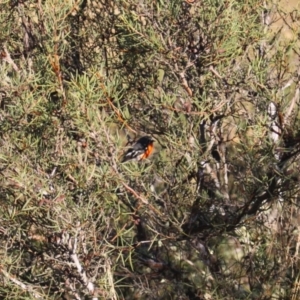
{"x":140,"y":150}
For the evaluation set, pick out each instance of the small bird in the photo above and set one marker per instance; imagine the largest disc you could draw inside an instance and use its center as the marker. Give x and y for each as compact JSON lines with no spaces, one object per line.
{"x":140,"y":150}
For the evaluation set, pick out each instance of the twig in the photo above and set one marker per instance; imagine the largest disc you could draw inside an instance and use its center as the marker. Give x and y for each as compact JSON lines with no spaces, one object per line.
{"x":292,"y":105}
{"x":288,"y":84}
{"x":211,"y":68}
{"x":212,"y":173}
{"x":6,"y":57}
{"x":145,"y":201}
{"x":55,"y":63}
{"x":72,"y":247}
{"x":22,"y":285}
{"x":185,"y":84}
{"x":115,"y":109}
{"x":183,"y":79}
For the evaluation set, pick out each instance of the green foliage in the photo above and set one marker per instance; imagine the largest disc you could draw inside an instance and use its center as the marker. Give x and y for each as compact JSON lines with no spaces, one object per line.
{"x":212,"y":214}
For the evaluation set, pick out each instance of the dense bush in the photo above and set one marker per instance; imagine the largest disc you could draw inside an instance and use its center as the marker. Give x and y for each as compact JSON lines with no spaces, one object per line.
{"x":212,"y":214}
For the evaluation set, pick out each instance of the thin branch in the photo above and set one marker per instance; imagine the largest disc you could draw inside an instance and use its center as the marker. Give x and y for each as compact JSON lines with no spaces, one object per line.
{"x":23,"y":286}
{"x":292,"y":105}
{"x":72,"y":246}
{"x":6,"y":57}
